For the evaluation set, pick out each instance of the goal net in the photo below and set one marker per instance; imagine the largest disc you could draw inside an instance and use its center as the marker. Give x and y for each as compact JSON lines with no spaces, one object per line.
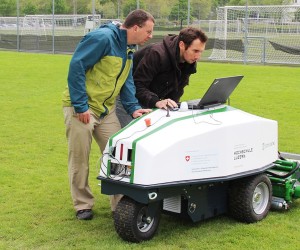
{"x":72,"y":25}
{"x":44,"y":32}
{"x":56,"y":33}
{"x":260,"y":34}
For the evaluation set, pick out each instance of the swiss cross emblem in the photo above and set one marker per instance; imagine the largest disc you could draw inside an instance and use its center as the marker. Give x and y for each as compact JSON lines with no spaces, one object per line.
{"x":187,"y":158}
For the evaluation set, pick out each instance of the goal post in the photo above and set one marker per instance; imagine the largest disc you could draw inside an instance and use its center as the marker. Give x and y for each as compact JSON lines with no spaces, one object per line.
{"x":60,"y":33}
{"x":59,"y":24}
{"x":53,"y":33}
{"x":260,"y":34}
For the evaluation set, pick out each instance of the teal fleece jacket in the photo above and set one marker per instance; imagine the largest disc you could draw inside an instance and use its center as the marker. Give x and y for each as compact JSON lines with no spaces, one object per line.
{"x":100,"y":69}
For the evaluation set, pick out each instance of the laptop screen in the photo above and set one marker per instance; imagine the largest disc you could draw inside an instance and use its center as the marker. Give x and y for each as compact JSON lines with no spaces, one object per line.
{"x":218,"y":92}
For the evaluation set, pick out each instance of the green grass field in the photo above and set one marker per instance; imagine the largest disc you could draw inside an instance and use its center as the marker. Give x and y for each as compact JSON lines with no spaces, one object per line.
{"x":36,"y":208}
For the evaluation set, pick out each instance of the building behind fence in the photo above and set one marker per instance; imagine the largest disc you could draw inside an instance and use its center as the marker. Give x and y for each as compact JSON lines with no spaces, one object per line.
{"x":247,"y":34}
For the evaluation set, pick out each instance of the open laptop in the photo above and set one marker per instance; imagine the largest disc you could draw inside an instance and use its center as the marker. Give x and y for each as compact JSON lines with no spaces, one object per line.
{"x":217,"y":94}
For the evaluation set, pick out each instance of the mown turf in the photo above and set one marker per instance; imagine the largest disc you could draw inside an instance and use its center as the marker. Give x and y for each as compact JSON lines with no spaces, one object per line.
{"x":36,"y":208}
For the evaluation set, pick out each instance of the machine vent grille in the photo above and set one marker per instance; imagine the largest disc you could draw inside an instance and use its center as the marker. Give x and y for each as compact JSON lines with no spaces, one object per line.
{"x":172,"y":204}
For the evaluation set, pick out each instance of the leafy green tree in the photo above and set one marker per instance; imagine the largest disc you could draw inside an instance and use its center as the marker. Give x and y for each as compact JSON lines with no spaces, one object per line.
{"x":29,"y":9}
{"x":201,"y":9}
{"x":102,"y":2}
{"x":254,"y":2}
{"x":131,"y":5}
{"x":179,"y":12}
{"x":109,"y":10}
{"x":165,"y":7}
{"x":8,"y":8}
{"x":60,"y":7}
{"x":220,"y":3}
{"x":214,"y":5}
{"x":158,"y":8}
{"x":43,"y":7}
{"x":82,"y":7}
{"x":267,"y":2}
{"x":98,"y":7}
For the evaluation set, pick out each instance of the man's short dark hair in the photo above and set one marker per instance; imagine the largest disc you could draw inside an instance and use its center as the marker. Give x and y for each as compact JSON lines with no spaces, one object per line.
{"x":137,"y":17}
{"x":188,"y":35}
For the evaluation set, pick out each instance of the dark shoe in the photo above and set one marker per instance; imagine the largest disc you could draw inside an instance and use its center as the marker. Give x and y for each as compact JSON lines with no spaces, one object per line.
{"x":84,"y":214}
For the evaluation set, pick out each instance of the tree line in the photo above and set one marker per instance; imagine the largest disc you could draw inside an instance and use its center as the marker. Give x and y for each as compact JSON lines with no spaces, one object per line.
{"x":171,"y":10}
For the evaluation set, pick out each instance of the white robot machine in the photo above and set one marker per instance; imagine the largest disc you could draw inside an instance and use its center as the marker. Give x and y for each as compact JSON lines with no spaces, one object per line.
{"x":199,"y":161}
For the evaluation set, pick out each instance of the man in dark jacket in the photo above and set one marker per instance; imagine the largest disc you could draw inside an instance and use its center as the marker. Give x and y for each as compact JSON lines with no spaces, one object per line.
{"x":162,"y":70}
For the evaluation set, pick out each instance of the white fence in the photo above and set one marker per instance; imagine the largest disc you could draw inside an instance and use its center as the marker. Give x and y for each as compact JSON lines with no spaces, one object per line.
{"x":259,"y":34}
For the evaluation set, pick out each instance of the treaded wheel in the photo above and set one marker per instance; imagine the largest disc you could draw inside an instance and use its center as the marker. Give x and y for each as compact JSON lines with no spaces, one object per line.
{"x":132,"y":221}
{"x":250,"y":198}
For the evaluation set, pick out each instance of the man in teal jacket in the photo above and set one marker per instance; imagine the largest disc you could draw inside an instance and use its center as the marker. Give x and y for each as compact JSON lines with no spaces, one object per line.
{"x":100,"y":69}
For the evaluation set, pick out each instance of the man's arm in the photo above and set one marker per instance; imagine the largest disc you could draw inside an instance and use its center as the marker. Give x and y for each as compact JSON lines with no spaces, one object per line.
{"x":149,"y":67}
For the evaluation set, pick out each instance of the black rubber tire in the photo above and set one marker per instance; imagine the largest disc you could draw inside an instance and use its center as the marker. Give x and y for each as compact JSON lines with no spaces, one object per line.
{"x":250,"y":198}
{"x":130,"y":221}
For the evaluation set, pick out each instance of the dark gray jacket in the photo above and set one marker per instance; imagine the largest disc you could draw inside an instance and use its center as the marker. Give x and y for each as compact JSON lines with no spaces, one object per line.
{"x":158,"y":74}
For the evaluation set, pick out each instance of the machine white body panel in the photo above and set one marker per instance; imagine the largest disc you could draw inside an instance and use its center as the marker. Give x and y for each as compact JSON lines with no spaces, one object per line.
{"x":194,"y":145}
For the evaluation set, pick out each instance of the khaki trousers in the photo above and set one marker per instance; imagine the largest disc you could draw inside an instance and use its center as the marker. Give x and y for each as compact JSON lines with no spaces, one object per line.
{"x":79,"y":137}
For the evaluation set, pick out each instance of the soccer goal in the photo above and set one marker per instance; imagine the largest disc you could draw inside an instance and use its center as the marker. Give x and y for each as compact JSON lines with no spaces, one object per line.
{"x":33,"y":25}
{"x":43,"y":25}
{"x":60,"y":33}
{"x":259,"y":34}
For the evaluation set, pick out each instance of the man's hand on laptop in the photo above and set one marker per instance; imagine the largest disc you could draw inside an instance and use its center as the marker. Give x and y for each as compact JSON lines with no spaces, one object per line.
{"x":166,"y":103}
